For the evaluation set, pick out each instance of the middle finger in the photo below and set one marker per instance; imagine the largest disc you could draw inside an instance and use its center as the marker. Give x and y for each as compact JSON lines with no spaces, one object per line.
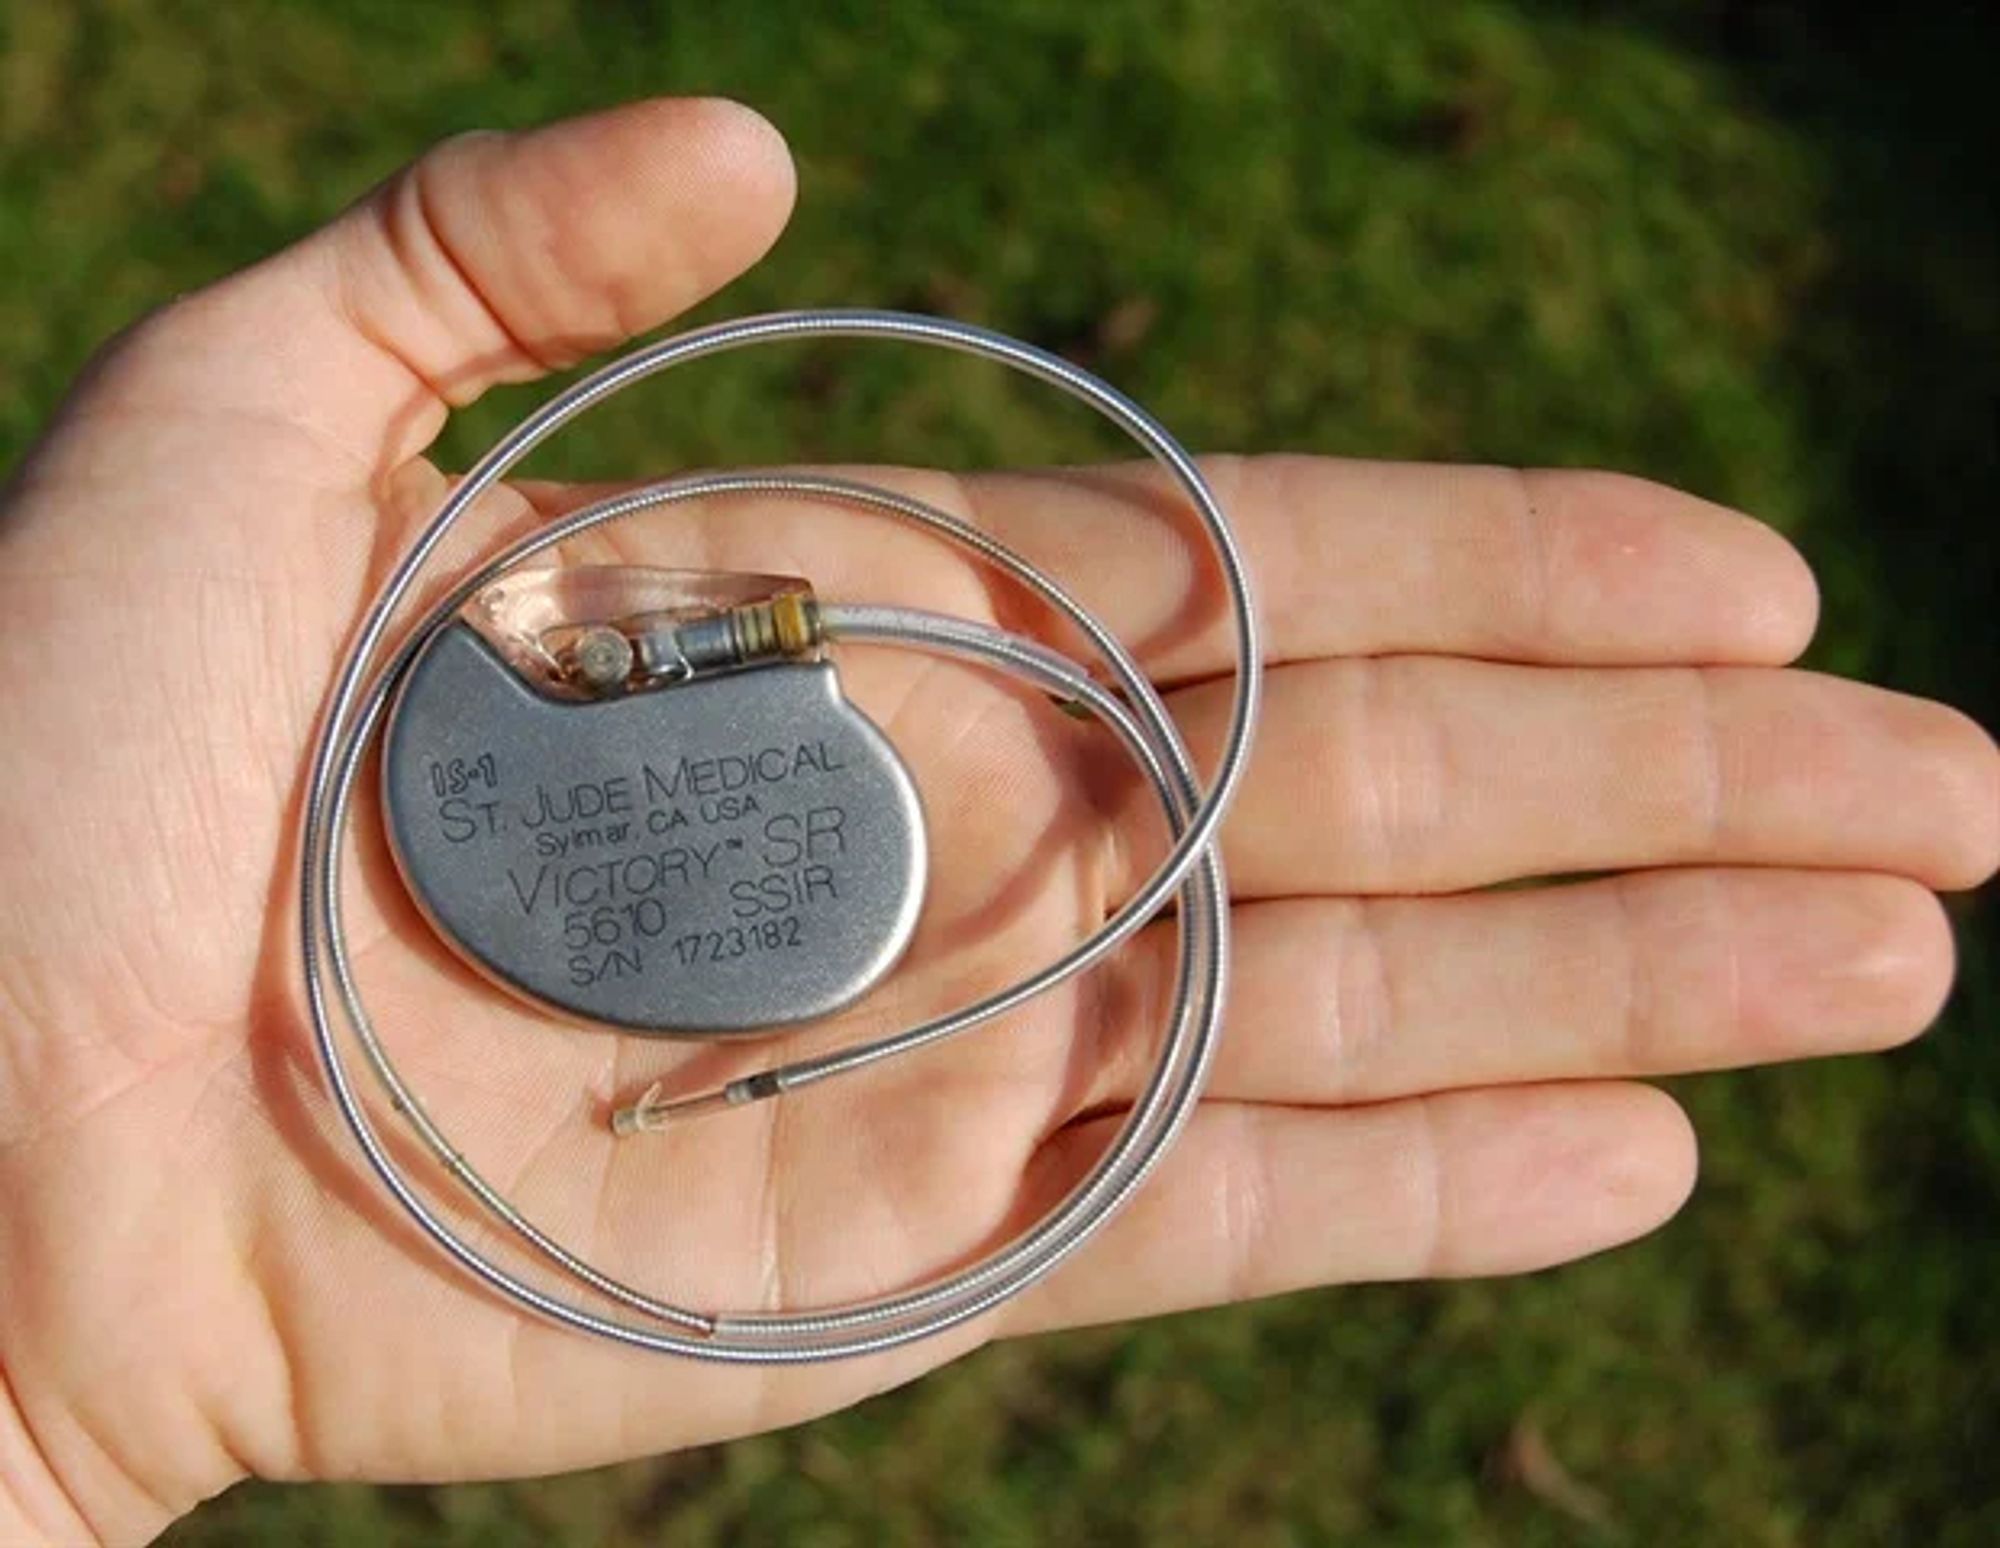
{"x":1432,"y":774}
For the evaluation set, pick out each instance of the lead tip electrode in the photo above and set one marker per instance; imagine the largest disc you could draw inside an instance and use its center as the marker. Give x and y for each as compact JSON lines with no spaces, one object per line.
{"x":652,"y":1113}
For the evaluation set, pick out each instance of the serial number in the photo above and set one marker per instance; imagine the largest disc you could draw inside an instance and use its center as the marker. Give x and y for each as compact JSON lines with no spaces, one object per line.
{"x":735,"y":941}
{"x":647,"y":919}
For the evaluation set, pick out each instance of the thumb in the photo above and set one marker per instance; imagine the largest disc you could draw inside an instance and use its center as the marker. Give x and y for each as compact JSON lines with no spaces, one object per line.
{"x":496,"y":257}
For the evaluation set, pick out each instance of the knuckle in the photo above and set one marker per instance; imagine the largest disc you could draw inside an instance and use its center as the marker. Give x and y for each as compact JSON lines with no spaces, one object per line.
{"x":1639,"y":1033}
{"x":1381,"y":760}
{"x":1434,"y":1249}
{"x":1701,"y":745}
{"x":1504,"y":558}
{"x":1356,"y":1015}
{"x":1244,"y":1210}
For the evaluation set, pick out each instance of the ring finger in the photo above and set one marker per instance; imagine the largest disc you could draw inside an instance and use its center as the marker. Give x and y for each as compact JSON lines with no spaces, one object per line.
{"x":1338,"y":1001}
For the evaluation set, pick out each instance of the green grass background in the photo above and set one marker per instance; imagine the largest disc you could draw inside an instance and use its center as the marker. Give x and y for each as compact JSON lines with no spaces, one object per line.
{"x":1741,"y":247}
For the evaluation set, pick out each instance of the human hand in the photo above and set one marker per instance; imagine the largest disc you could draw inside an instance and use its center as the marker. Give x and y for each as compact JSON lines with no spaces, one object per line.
{"x":1478,"y":676}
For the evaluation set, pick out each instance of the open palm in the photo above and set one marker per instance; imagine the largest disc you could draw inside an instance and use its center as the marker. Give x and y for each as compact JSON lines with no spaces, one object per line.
{"x":1479,"y":676}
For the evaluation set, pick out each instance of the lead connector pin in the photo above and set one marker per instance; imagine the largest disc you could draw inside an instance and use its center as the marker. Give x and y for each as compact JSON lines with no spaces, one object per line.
{"x":601,"y":659}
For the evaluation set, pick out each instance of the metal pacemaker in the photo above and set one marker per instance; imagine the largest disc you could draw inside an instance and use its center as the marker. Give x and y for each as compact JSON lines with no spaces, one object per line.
{"x":641,"y":798}
{"x":589,"y":644}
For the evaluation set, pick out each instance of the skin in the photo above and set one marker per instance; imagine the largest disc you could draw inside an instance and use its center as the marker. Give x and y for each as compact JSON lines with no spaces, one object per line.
{"x":1478,"y":675}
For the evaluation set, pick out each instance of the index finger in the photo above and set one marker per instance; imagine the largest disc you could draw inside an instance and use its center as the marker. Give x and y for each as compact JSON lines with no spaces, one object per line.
{"x":1379,"y":558}
{"x":1348,"y":558}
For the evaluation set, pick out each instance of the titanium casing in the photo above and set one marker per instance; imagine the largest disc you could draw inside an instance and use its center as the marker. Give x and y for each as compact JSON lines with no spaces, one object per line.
{"x":715,"y":854}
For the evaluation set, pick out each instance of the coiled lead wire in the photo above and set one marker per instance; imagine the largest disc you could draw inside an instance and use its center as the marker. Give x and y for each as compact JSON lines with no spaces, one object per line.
{"x":1147,"y":732}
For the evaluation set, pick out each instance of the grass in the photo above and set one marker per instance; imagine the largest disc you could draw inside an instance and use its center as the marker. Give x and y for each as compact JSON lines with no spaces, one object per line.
{"x":1733,"y":246}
